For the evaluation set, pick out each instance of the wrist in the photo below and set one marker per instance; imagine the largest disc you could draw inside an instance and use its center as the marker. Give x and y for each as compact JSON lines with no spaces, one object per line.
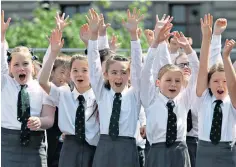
{"x":94,"y":36}
{"x":188,"y":49}
{"x":134,"y":36}
{"x":3,"y":37}
{"x":103,"y":33}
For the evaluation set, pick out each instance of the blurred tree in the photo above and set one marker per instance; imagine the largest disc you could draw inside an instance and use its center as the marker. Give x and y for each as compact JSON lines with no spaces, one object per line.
{"x":32,"y":33}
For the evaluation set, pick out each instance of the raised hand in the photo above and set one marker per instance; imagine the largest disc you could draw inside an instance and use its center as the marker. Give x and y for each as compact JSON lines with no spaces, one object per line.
{"x":220,"y":26}
{"x":206,"y":26}
{"x":61,"y":22}
{"x":181,"y":39}
{"x":161,"y":23}
{"x":56,"y":42}
{"x":163,"y":34}
{"x":113,"y":43}
{"x":229,"y":45}
{"x":4,"y":26}
{"x":132,"y":21}
{"x":149,"y":34}
{"x":103,"y":27}
{"x":94,"y":21}
{"x":84,"y":33}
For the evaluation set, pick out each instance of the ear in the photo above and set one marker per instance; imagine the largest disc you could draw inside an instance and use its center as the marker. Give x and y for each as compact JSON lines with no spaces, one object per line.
{"x":105,"y":74}
{"x":158,"y":83}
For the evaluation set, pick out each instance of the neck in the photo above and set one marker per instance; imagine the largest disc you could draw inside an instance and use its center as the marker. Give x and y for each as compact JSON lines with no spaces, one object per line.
{"x":82,"y":90}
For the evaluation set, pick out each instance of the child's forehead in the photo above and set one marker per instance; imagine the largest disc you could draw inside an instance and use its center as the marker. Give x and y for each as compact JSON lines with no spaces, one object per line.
{"x":218,"y":75}
{"x":173,"y":73}
{"x":119,"y":65}
{"x":18,"y":56}
{"x":78,"y":63}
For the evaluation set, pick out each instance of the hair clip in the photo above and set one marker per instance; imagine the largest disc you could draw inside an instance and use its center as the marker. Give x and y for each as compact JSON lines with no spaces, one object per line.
{"x":8,"y":56}
{"x":35,"y":57}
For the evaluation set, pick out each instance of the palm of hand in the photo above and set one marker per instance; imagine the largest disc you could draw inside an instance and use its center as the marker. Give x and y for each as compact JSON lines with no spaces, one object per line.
{"x":182,"y":41}
{"x":132,"y":24}
{"x":84,"y":35}
{"x":61,"y":24}
{"x":94,"y":26}
{"x":206,"y":29}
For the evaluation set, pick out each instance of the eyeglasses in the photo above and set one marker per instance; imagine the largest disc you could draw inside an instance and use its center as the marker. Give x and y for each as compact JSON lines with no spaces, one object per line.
{"x":182,"y":65}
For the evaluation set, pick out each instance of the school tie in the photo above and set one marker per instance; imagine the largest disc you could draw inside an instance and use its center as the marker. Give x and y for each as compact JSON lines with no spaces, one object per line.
{"x":215,"y":134}
{"x":115,"y":116}
{"x":171,"y":131}
{"x":189,"y":121}
{"x":79,"y":120}
{"x":23,"y":114}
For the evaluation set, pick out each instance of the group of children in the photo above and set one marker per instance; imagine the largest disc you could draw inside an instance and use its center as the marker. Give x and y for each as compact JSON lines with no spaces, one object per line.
{"x":106,"y":105}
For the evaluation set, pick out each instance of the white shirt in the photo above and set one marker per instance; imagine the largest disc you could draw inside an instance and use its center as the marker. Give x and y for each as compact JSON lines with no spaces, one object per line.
{"x":103,"y":42}
{"x":155,"y":103}
{"x":67,"y":104}
{"x":215,"y":50}
{"x":130,"y":105}
{"x":206,"y":106}
{"x":214,"y":58}
{"x":141,"y":122}
{"x":9,"y":92}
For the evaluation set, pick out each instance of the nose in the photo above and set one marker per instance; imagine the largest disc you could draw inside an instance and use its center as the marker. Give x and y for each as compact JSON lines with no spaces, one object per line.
{"x":173,"y":83}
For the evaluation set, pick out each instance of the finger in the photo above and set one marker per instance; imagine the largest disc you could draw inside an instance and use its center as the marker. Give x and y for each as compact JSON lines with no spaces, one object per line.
{"x":108,"y":25}
{"x":167,"y":18}
{"x":138,"y":13}
{"x":88,"y":20}
{"x":201,"y":21}
{"x":157,"y":18}
{"x":8,"y":21}
{"x":134,"y":12}
{"x":211,"y":20}
{"x":205,"y":19}
{"x":163,"y":17}
{"x":90,"y":14}
{"x":176,"y":34}
{"x":128,"y":13}
{"x":181,"y":34}
{"x":2,"y":16}
{"x":63,"y":15}
{"x":67,"y":17}
{"x":141,"y":18}
{"x":102,"y":19}
{"x":123,"y":22}
{"x":170,"y":20}
{"x":62,"y":43}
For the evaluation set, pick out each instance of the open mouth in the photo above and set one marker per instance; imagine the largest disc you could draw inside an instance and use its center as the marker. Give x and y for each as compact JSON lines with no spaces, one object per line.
{"x":172,"y":90}
{"x":220,"y":92}
{"x":118,"y":84}
{"x":22,"y":77}
{"x":80,"y":80}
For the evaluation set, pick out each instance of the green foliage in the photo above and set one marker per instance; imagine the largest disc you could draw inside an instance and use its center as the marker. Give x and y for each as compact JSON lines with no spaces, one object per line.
{"x":32,"y":33}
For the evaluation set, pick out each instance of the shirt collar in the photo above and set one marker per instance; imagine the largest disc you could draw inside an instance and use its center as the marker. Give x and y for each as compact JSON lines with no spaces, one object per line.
{"x":122,"y":93}
{"x":86,"y":94}
{"x":213,"y":99}
{"x":28,"y":83}
{"x":165,"y":99}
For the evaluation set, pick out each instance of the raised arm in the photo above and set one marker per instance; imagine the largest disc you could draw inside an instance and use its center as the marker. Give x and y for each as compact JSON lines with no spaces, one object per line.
{"x":229,"y":70}
{"x":147,"y":88}
{"x":163,"y":55}
{"x":202,"y":81}
{"x":219,"y":27}
{"x":4,"y":64}
{"x":102,"y":37}
{"x":56,"y":43}
{"x":136,"y":51}
{"x":94,"y":62}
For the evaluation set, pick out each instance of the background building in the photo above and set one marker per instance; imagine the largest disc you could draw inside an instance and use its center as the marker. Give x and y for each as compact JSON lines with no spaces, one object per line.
{"x":186,"y":14}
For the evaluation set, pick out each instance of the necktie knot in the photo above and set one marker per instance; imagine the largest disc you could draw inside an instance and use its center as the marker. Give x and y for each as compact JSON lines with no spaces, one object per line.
{"x":170,"y":104}
{"x":81,"y":99}
{"x":23,"y":86}
{"x":218,"y":102}
{"x":118,"y":95}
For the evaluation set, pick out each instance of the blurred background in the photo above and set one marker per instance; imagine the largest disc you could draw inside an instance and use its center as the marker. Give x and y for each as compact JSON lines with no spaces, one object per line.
{"x":32,"y":21}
